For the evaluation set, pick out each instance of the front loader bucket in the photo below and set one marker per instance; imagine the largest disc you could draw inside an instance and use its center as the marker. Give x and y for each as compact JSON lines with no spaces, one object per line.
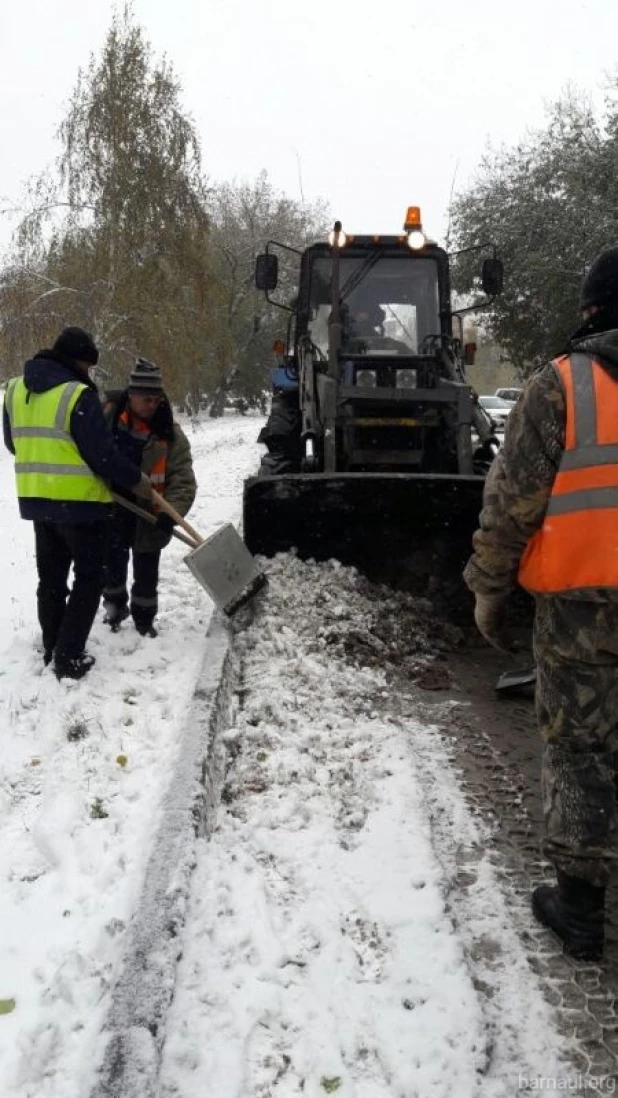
{"x":409,"y":530}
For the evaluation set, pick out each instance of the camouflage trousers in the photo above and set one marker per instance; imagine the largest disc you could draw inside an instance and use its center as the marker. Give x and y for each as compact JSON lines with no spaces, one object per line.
{"x":576,"y":651}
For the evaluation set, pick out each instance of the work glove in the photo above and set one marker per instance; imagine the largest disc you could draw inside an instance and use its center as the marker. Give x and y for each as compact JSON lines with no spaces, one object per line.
{"x":143,"y":488}
{"x":490,"y":618}
{"x":165,"y":523}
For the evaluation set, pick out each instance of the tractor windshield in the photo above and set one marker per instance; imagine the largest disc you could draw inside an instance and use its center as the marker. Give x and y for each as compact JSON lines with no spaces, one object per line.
{"x":390,"y":311}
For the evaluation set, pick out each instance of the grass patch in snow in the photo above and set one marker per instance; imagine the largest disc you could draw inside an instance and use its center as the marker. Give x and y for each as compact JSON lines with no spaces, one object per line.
{"x":98,"y":810}
{"x":77,"y":729}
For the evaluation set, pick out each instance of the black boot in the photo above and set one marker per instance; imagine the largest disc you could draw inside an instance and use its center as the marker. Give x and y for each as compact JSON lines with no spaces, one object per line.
{"x":575,"y":911}
{"x":146,"y":628}
{"x":115,"y":614}
{"x":73,"y":667}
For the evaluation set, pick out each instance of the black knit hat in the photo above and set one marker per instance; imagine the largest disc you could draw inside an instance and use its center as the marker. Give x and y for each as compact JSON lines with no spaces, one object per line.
{"x":600,"y":285}
{"x":77,"y":344}
{"x":145,"y":377}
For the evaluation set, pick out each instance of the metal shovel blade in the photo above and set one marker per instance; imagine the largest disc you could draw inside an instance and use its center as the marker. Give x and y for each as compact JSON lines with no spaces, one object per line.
{"x":224,"y":567}
{"x":517,"y":682}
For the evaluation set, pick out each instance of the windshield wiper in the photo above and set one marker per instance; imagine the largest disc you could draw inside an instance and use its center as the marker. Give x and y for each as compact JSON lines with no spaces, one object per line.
{"x":401,"y":324}
{"x":358,"y":274}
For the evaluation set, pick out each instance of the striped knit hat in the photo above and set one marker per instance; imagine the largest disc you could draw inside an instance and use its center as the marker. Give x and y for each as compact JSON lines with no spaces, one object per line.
{"x":145,"y":377}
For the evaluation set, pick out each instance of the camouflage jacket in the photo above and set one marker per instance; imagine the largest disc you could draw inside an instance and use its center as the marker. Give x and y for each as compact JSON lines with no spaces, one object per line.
{"x":520,"y":479}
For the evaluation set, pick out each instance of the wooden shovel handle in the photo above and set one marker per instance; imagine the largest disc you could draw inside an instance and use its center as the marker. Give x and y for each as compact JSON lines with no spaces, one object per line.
{"x":149,"y":517}
{"x":173,"y":513}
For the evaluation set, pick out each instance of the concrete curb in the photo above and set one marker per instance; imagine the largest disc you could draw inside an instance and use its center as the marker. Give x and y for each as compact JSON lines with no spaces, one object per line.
{"x":134,"y":1031}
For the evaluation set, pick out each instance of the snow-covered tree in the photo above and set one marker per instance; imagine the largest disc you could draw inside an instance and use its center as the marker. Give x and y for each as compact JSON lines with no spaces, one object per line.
{"x":549,"y":204}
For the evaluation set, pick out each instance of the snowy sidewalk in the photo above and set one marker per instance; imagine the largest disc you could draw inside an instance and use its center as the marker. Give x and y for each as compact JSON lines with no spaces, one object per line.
{"x":319,"y":954}
{"x":77,"y":824}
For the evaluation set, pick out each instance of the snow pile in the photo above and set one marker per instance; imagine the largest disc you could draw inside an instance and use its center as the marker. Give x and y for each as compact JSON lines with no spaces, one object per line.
{"x":318,"y":955}
{"x":341,"y":615}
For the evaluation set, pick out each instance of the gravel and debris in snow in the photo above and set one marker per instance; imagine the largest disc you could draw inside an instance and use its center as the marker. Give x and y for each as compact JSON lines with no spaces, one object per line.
{"x":320,"y":954}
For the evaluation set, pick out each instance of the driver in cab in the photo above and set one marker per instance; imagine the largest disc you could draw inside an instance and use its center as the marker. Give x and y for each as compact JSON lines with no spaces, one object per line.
{"x":362,"y":330}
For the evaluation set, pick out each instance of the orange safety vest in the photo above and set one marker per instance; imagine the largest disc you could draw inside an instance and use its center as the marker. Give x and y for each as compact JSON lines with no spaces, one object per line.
{"x":138,"y":428}
{"x":576,"y":548}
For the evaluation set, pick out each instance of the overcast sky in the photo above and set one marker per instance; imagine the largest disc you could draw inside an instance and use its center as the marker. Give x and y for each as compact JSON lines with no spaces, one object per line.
{"x":370,"y":106}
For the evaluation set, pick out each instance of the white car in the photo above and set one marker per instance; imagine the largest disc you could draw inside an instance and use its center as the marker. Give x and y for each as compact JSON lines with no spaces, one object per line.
{"x":497,"y":408}
{"x":510,"y":395}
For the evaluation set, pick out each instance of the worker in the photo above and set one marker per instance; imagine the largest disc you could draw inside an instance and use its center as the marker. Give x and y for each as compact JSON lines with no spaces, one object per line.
{"x":361,"y":322}
{"x":142,"y":423}
{"x":282,"y":432}
{"x":549,"y":521}
{"x":65,"y":460}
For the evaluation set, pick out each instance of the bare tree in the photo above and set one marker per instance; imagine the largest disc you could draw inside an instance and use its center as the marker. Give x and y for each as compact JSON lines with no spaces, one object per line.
{"x":244,"y":217}
{"x":121,"y":242}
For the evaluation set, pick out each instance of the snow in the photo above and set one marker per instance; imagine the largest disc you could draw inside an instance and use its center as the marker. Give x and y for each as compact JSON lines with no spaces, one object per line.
{"x":324,"y":950}
{"x":319,"y":955}
{"x":71,"y":881}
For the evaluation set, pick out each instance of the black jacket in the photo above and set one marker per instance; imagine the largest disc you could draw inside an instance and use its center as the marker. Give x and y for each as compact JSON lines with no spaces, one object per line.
{"x":90,"y":433}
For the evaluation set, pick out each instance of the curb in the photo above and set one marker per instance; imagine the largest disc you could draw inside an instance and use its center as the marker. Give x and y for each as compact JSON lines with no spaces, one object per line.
{"x":134,"y":1030}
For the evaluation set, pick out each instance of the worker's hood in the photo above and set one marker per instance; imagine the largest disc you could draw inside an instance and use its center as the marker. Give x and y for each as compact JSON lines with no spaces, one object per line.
{"x":48,"y":369}
{"x":604,"y":347}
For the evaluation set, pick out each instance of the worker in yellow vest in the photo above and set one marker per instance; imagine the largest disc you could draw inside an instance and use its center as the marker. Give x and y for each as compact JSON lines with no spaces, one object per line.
{"x":65,"y":459}
{"x":550,"y":522}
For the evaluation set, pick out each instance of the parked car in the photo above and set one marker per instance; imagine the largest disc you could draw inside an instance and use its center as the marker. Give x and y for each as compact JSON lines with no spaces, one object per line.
{"x":511,"y":395}
{"x":497,"y":408}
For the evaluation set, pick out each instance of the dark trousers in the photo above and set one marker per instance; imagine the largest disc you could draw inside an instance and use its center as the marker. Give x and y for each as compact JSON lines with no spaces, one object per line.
{"x":145,"y":571}
{"x":65,"y":616}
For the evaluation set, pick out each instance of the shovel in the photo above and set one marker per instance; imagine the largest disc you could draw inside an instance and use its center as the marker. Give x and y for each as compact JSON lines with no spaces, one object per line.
{"x":149,"y":517}
{"x":222,"y":564}
{"x":516,"y":682}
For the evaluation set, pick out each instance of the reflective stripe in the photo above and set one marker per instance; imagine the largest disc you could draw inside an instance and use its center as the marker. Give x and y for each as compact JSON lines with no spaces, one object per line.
{"x":590,"y":455}
{"x":587,"y":499}
{"x":40,"y":432}
{"x":139,"y":600}
{"x":584,"y":401}
{"x":109,"y":591}
{"x":61,"y":414}
{"x":62,"y":470}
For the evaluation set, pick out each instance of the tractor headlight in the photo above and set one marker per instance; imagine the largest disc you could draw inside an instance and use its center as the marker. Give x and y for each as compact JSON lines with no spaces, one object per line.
{"x":366,"y":379}
{"x":406,"y":379}
{"x":338,"y":237}
{"x":416,"y":240}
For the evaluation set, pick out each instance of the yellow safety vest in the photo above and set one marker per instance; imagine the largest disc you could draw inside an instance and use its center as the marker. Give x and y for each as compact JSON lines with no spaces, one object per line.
{"x":48,"y":464}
